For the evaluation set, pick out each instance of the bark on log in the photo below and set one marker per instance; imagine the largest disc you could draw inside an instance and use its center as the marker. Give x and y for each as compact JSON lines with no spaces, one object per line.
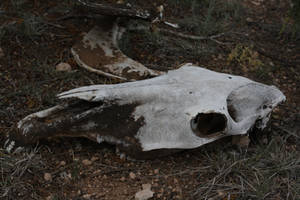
{"x":115,"y":10}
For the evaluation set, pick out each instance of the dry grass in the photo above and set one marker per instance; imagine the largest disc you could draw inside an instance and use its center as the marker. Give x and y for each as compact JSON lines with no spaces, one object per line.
{"x":15,"y":168}
{"x":268,"y":172}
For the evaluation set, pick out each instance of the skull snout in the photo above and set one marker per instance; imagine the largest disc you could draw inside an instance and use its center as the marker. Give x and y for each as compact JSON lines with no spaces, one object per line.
{"x":209,"y":125}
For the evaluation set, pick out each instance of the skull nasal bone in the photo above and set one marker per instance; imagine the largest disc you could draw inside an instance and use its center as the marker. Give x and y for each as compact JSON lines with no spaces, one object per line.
{"x":208,"y":124}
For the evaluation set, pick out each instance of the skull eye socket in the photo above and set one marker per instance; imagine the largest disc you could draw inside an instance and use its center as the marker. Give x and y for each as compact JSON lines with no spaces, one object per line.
{"x":249,"y":100}
{"x":208,"y":124}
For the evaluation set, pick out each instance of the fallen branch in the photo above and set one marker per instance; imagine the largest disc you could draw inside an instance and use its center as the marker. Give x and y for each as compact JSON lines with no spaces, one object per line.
{"x":182,"y":35}
{"x":193,"y":37}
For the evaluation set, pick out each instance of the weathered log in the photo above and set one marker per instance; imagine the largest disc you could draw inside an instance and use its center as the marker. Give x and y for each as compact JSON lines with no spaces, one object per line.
{"x":119,"y":10}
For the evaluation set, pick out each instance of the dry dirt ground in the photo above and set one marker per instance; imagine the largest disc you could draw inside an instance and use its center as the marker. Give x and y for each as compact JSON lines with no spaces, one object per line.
{"x":260,"y":41}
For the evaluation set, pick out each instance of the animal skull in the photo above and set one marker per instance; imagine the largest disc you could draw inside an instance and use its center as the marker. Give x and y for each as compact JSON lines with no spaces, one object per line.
{"x":183,"y":109}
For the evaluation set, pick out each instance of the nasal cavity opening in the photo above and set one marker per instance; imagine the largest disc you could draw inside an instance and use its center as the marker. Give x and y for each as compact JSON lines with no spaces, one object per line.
{"x":208,"y":124}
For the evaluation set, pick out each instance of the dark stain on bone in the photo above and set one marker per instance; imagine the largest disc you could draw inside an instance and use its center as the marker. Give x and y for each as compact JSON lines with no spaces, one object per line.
{"x":89,"y":119}
{"x":86,"y":119}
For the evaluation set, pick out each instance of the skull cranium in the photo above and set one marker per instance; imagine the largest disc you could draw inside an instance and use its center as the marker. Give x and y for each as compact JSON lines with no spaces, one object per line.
{"x":183,"y":109}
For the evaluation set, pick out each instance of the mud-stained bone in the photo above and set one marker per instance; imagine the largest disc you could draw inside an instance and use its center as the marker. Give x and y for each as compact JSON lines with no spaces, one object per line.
{"x":98,"y":52}
{"x":82,"y":119}
{"x":183,"y":109}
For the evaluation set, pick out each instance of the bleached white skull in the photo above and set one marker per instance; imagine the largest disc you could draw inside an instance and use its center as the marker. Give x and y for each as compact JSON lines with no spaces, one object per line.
{"x":183,"y":109}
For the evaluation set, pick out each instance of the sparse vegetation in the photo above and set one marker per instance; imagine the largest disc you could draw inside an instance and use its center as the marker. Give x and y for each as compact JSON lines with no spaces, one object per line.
{"x":295,"y":12}
{"x":14,"y":168}
{"x":252,"y":175}
{"x":290,"y":27}
{"x":20,"y":23}
{"x":245,"y":57}
{"x":212,"y":17}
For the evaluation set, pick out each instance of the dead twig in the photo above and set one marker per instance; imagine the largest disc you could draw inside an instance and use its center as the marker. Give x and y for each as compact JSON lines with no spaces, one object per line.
{"x":207,"y":188}
{"x":193,"y":37}
{"x":72,"y":16}
{"x":178,"y":34}
{"x":187,"y":171}
{"x":292,"y":133}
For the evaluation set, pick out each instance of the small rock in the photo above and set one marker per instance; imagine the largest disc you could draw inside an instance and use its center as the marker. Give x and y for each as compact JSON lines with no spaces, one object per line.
{"x":132,"y":175}
{"x":122,"y":156}
{"x":87,"y":196}
{"x":144,"y":194}
{"x":248,"y":19}
{"x":94,"y":158}
{"x":160,"y":8}
{"x":48,"y":177}
{"x":257,"y":3}
{"x":265,"y":141}
{"x":50,"y":197}
{"x":146,"y":186}
{"x":65,"y":175}
{"x":86,"y":162}
{"x":242,"y":141}
{"x":63,"y":67}
{"x":98,"y":171}
{"x":62,"y":163}
{"x":99,"y":195}
{"x":156,"y":171}
{"x":123,"y":178}
{"x":1,"y":53}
